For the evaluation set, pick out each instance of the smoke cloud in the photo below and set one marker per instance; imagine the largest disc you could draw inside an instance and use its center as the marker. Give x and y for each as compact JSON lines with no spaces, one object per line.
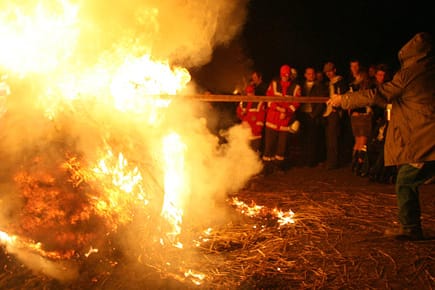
{"x":183,"y":31}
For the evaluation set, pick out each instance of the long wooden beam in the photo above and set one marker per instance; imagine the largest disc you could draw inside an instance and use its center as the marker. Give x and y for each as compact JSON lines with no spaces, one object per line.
{"x":240,"y":98}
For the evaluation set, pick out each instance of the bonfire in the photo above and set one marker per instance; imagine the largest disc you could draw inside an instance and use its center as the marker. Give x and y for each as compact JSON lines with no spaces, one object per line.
{"x":103,"y":156}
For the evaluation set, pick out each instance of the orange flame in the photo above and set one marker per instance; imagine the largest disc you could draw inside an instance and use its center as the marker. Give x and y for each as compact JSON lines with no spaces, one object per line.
{"x":176,"y":186}
{"x":254,"y":210}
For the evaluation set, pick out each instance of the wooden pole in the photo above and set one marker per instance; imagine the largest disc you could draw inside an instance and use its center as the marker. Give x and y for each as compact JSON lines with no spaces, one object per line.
{"x":240,"y":98}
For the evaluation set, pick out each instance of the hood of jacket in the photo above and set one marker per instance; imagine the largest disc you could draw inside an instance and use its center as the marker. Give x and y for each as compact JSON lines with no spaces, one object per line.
{"x":416,"y":49}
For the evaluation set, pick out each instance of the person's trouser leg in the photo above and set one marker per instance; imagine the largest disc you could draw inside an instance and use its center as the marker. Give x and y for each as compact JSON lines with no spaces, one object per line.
{"x":270,"y":141}
{"x":255,"y":145}
{"x":332,"y":133}
{"x":281,"y":148}
{"x":409,"y":178}
{"x":281,"y":145}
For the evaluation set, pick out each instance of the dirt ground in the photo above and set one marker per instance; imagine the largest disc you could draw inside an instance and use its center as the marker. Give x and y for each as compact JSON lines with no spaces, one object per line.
{"x":336,"y":242}
{"x":360,"y":211}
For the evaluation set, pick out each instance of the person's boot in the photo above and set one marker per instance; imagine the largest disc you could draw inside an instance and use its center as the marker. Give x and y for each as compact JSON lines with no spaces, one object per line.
{"x":365,"y":166}
{"x":354,"y":160}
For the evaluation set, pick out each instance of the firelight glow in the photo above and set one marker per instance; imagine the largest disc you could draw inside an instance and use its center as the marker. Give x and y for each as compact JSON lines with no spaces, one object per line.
{"x":39,"y":37}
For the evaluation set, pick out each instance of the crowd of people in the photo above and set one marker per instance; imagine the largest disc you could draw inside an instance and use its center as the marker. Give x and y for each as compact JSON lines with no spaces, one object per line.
{"x":326,"y":136}
{"x":372,"y":113}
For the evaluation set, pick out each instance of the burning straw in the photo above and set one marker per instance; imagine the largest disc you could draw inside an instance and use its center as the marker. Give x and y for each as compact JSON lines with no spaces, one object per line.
{"x":89,"y":144}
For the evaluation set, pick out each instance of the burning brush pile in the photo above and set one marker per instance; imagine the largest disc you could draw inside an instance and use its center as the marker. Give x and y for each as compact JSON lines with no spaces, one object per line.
{"x":104,"y":160}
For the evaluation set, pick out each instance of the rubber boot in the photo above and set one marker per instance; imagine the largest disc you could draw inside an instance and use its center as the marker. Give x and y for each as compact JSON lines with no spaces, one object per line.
{"x":356,"y":162}
{"x":365,"y":166}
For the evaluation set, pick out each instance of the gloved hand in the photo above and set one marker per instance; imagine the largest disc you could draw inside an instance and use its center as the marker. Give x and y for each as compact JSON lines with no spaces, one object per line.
{"x":335,"y":100}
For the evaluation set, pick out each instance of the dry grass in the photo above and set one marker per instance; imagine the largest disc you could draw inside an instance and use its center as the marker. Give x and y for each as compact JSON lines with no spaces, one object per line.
{"x":336,"y":242}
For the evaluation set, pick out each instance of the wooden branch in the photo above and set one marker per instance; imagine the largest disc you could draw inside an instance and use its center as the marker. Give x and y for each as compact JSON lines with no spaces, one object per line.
{"x":240,"y":98}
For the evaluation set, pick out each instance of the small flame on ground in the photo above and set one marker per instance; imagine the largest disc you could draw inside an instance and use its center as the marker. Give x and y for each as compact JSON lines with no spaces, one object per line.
{"x":196,"y":278}
{"x":251,"y":211}
{"x":202,"y":239}
{"x":283,"y":217}
{"x":14,"y":243}
{"x":91,"y":251}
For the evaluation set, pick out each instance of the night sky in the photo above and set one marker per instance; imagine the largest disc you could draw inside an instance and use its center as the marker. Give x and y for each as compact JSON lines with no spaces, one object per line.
{"x":303,"y":33}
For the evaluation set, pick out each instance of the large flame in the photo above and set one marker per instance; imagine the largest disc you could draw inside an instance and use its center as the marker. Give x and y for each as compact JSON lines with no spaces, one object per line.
{"x":39,"y":42}
{"x":102,"y":134}
{"x":176,"y":183}
{"x":37,"y":37}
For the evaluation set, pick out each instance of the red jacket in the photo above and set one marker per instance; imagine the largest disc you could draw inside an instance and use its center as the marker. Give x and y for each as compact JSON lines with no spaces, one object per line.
{"x":253,"y":114}
{"x":281,"y":114}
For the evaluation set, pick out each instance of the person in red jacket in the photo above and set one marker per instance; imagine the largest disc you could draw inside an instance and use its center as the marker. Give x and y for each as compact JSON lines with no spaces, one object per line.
{"x":252,"y":114}
{"x":279,"y":117}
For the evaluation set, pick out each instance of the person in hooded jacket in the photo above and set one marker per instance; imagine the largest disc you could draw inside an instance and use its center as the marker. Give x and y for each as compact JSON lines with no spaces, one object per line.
{"x":410,"y":140}
{"x":279,"y":117}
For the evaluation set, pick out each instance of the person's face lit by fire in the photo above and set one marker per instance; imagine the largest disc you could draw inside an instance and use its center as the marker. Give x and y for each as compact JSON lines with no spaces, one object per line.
{"x":285,"y":73}
{"x":310,"y":74}
{"x":256,"y":78}
{"x":285,"y":77}
{"x":330,"y":74}
{"x":380,"y":76}
{"x":354,"y":68}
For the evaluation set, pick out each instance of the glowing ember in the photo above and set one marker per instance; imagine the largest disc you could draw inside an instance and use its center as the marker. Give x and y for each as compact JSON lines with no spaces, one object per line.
{"x":284,"y":218}
{"x":202,"y":239}
{"x":91,"y":251}
{"x":196,"y":278}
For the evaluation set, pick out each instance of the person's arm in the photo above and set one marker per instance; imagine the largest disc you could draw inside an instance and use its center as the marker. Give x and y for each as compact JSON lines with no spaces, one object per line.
{"x":293,"y":106}
{"x":384,"y":93}
{"x":357,"y":99}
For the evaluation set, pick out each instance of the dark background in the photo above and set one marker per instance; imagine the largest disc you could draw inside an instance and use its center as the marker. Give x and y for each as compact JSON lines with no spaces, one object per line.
{"x":310,"y":33}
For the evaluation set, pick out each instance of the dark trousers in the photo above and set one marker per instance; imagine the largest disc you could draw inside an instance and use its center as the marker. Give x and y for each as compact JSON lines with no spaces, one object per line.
{"x":346,"y":140}
{"x":409,"y":179}
{"x":332,"y":136}
{"x":275,"y":144}
{"x":256,"y":145}
{"x":312,"y":139}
